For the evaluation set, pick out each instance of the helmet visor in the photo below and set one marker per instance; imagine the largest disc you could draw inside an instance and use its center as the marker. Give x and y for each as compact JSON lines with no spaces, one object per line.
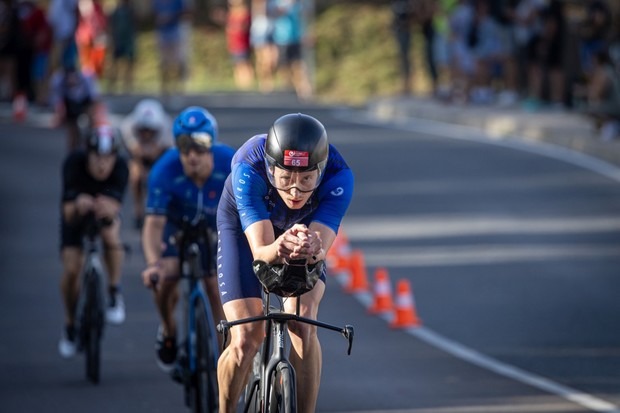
{"x":200,"y":142}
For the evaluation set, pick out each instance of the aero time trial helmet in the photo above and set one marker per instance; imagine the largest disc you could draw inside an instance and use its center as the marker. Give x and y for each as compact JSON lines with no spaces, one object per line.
{"x":296,"y":143}
{"x":149,"y":114}
{"x":195,"y":128}
{"x":103,"y":140}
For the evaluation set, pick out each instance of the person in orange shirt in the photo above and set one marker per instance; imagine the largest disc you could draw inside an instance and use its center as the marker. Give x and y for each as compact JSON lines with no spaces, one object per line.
{"x":91,"y":36}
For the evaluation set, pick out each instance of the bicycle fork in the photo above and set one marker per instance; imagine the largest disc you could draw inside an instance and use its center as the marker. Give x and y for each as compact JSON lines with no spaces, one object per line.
{"x":276,"y":358}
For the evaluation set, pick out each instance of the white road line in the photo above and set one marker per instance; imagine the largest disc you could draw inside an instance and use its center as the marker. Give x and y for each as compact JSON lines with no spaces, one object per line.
{"x":456,"y":349}
{"x":478,"y":359}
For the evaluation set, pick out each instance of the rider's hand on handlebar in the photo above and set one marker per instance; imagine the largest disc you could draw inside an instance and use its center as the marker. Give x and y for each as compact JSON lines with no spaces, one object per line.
{"x":151,"y":276}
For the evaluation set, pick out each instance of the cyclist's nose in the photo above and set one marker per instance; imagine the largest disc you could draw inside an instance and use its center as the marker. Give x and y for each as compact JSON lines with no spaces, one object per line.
{"x":295,"y":192}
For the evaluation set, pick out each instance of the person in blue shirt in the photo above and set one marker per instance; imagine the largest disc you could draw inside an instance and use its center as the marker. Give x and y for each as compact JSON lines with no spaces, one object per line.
{"x":282,"y":204}
{"x":186,"y":182}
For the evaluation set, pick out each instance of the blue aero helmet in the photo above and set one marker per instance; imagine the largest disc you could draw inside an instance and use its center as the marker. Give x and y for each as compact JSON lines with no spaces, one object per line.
{"x":195,"y":128}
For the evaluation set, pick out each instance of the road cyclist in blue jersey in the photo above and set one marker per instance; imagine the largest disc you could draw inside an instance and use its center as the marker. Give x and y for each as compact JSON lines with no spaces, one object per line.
{"x":186,"y":182}
{"x":282,"y":204}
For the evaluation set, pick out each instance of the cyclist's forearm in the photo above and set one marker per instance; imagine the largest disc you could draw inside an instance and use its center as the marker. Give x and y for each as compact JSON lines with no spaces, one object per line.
{"x":70,"y":211}
{"x":152,"y":239}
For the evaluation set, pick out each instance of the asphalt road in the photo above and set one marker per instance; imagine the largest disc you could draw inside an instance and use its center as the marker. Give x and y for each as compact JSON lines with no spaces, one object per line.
{"x":513,"y":258}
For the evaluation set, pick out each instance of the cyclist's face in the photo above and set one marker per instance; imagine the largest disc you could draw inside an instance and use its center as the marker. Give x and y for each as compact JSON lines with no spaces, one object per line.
{"x":100,"y":166}
{"x":146,"y":135}
{"x":303,"y":181}
{"x":295,"y":188}
{"x":197,"y":165}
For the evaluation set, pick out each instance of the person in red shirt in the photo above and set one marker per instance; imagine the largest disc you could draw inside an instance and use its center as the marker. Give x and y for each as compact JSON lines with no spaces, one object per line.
{"x":238,"y":40}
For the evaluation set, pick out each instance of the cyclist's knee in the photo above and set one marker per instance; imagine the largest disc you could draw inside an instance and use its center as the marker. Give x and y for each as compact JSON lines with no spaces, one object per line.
{"x":246,"y":342}
{"x":110,"y":236}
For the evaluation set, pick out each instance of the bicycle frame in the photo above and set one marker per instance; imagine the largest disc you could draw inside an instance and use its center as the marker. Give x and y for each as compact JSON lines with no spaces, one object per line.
{"x":191,"y":270}
{"x":190,"y":371}
{"x":272,"y":353}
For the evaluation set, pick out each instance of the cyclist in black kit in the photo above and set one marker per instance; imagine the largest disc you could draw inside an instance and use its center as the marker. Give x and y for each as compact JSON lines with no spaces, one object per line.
{"x":94,"y":180}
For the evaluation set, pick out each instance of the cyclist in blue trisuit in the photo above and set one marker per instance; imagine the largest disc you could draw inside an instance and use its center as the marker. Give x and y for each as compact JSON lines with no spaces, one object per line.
{"x":93,"y":180}
{"x":186,"y":182}
{"x":283,"y":202}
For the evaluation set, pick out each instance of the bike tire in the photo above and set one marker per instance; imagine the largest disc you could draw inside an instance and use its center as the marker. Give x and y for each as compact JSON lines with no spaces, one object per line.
{"x":283,"y":396}
{"x":92,"y":327}
{"x":204,"y":392}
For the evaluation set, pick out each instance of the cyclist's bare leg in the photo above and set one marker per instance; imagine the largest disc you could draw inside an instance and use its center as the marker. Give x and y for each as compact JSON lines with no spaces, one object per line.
{"x":137,"y":176}
{"x":72,"y":261}
{"x":113,"y":252}
{"x":213,"y":294}
{"x":306,"y":356}
{"x":235,"y":362}
{"x":167,"y":295}
{"x":73,"y":135}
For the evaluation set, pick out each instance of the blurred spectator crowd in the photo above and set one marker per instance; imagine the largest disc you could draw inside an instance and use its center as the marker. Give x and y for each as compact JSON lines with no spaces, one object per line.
{"x":41,"y":38}
{"x":532,"y":54}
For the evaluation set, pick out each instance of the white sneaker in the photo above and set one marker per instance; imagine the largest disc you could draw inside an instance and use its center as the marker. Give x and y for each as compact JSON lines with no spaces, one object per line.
{"x":115,"y":313}
{"x":66,"y":347}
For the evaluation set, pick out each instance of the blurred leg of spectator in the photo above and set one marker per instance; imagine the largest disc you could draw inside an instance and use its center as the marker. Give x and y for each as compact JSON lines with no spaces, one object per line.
{"x":402,"y":15}
{"x":604,"y":96}
{"x":122,"y":25}
{"x":261,"y":41}
{"x":238,"y":41}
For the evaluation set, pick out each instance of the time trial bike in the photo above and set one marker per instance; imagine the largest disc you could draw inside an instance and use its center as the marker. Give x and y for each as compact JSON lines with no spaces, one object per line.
{"x":90,"y":313}
{"x":271,"y":386}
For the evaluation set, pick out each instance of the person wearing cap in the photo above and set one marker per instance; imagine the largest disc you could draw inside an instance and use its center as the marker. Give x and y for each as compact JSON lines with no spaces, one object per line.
{"x":184,"y":184}
{"x":147,"y":134}
{"x":94,"y":180}
{"x":282,"y":204}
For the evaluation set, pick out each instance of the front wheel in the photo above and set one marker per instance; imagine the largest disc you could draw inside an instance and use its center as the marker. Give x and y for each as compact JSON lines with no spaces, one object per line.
{"x":204,"y":378}
{"x":92,"y":328}
{"x":282,"y":395}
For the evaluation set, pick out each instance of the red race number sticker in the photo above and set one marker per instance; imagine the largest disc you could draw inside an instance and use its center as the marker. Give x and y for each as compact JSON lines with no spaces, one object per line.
{"x":295,"y":158}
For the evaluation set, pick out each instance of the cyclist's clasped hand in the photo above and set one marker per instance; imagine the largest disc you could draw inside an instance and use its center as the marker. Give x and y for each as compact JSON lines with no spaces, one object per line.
{"x":105,"y":207}
{"x":299,"y":243}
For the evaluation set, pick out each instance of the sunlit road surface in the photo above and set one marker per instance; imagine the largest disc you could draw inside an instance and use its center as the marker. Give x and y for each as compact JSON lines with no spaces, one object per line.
{"x":512,"y":256}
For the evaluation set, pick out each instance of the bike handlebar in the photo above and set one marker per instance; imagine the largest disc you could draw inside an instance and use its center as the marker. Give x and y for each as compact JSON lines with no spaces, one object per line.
{"x":347,"y":331}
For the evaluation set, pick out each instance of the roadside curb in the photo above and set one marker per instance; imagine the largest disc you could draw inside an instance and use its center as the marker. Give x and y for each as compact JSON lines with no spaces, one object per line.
{"x":566,"y":129}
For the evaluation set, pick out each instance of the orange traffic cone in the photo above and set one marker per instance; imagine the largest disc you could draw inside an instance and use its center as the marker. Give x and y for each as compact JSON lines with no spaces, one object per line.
{"x":358,"y":281}
{"x":20,"y":107}
{"x":405,"y":314}
{"x":339,"y":254}
{"x":383,"y":293}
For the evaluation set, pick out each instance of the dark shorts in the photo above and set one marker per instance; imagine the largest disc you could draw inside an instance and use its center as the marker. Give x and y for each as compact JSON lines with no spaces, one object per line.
{"x":208,"y":263}
{"x":74,"y":109}
{"x":289,"y":53}
{"x":236,"y":278}
{"x":71,"y":234}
